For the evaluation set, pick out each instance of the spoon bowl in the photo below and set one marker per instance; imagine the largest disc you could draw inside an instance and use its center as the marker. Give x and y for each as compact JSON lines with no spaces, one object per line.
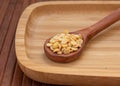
{"x":87,"y":34}
{"x":64,"y":57}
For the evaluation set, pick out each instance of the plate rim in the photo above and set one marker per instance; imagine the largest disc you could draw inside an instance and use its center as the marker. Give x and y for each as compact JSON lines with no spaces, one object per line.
{"x":24,"y":19}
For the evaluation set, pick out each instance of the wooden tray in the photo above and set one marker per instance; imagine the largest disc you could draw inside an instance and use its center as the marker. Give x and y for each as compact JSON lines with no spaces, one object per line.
{"x":99,"y":62}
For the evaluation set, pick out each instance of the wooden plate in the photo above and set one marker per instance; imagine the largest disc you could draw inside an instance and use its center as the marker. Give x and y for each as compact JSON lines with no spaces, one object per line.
{"x":99,"y":62}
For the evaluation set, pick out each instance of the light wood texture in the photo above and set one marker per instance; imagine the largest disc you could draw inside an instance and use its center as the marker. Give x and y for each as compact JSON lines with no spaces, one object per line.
{"x":87,"y":33}
{"x":98,"y":64}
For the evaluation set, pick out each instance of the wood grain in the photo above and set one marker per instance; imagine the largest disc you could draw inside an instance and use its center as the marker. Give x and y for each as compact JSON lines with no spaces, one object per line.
{"x":9,"y":69}
{"x":8,"y":22}
{"x":3,"y":9}
{"x":3,"y":31}
{"x":98,"y":63}
{"x":18,"y":76}
{"x":8,"y":58}
{"x":26,"y":81}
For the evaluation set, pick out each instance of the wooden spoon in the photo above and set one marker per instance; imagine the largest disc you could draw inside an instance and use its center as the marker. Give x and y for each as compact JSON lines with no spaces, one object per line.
{"x":87,"y":34}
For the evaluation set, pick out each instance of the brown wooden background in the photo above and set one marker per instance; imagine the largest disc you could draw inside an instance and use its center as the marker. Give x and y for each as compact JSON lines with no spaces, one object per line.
{"x":10,"y":73}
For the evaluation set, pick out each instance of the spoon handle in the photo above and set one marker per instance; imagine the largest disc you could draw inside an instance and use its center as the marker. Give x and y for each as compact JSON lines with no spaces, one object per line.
{"x":103,"y":24}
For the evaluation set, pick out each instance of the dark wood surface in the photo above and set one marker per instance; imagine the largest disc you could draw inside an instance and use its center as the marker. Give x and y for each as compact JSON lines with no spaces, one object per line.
{"x":10,"y":73}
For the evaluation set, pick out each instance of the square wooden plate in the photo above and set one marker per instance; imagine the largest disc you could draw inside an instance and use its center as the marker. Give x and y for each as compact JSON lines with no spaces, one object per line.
{"x":100,"y":60}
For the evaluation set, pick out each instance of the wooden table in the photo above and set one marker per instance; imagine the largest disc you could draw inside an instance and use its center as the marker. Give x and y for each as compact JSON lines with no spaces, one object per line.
{"x":10,"y":73}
